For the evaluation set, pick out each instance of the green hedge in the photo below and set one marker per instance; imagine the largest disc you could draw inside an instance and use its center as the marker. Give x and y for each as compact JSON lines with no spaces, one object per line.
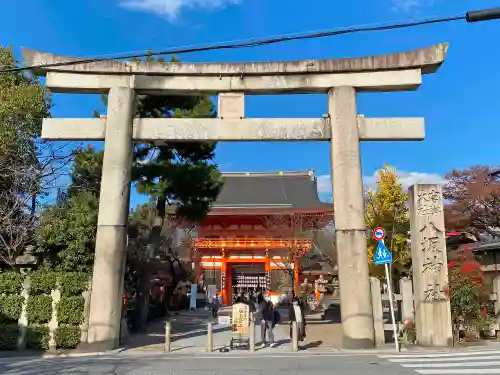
{"x":37,"y":337}
{"x":8,"y":336}
{"x":72,"y":283}
{"x":39,"y":308}
{"x":42,"y":281}
{"x":11,"y":307}
{"x":67,"y":337}
{"x":70,"y":310}
{"x":11,"y":283}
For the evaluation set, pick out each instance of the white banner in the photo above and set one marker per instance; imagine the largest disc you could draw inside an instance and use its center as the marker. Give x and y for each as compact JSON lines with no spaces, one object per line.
{"x":194,"y":292}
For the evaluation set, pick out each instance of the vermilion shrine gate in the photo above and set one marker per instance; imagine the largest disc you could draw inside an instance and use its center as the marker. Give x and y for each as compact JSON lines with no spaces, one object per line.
{"x":339,"y":79}
{"x":251,"y":238}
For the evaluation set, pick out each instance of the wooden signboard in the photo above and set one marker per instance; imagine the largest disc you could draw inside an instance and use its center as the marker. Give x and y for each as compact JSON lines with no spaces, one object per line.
{"x":241,"y":318}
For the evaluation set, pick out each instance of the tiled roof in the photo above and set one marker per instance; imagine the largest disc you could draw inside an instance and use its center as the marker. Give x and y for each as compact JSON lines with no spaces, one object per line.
{"x":270,"y":191}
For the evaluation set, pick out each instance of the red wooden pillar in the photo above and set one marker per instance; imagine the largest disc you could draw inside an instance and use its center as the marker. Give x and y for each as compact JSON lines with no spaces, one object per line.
{"x":223,"y":282}
{"x":229,"y":283}
{"x":296,"y":276}
{"x":197,"y":267}
{"x":267,"y":268}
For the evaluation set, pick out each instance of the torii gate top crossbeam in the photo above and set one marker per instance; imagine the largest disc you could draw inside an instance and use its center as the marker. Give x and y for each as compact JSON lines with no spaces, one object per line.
{"x":427,"y":59}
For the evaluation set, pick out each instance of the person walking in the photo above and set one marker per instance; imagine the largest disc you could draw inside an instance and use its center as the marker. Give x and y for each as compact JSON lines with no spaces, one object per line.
{"x":266,"y":316}
{"x":215,"y":308}
{"x":296,"y":314}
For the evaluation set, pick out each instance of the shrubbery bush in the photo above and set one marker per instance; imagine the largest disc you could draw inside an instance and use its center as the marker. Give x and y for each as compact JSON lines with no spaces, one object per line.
{"x":39,"y":309}
{"x":9,"y":334}
{"x":72,"y":283}
{"x":11,"y":283}
{"x":42,"y":281}
{"x":11,"y":307}
{"x":67,"y":337}
{"x":70,"y":310}
{"x":37,"y":337}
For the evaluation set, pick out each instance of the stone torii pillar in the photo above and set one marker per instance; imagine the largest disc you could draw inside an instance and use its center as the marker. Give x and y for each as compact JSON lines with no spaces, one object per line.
{"x":350,"y":228}
{"x":340,"y":79}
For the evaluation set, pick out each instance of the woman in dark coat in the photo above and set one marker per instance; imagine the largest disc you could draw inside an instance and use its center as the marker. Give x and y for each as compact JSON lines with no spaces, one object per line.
{"x":296,"y":314}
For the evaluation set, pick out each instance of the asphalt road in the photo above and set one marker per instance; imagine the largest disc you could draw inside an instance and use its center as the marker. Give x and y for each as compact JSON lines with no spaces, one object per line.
{"x":207,"y":365}
{"x":477,"y":361}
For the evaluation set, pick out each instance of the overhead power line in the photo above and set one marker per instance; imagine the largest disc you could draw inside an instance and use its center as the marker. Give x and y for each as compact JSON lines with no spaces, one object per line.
{"x":473,"y":16}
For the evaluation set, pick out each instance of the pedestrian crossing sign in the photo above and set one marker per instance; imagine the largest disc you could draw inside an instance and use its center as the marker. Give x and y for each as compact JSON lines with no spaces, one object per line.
{"x":382,"y":255}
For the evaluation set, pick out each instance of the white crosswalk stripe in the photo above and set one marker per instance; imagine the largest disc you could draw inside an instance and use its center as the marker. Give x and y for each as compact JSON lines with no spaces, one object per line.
{"x":449,"y":363}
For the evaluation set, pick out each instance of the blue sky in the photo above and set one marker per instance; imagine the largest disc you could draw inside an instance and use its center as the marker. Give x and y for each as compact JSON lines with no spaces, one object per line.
{"x":459,"y":102}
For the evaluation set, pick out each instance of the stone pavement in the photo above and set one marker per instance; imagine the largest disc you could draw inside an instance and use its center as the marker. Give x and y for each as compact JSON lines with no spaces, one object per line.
{"x":189,"y":335}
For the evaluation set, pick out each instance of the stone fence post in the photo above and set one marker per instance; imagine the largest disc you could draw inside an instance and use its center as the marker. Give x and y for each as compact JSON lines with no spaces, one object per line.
{"x":53,"y":323}
{"x":407,"y":309}
{"x":378,"y":313}
{"x":496,"y":290}
{"x":23,"y":319}
{"x":86,"y":312}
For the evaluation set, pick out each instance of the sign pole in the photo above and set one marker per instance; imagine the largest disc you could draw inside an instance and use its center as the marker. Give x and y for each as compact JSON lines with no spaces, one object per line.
{"x":391,"y":303}
{"x":383,"y":256}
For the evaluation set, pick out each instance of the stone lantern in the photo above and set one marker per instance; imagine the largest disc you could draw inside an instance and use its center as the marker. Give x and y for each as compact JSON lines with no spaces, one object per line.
{"x":27,"y":261}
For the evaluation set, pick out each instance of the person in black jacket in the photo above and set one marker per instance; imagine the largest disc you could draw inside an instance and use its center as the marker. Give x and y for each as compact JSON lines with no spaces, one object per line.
{"x":296,"y":314}
{"x":265,"y":314}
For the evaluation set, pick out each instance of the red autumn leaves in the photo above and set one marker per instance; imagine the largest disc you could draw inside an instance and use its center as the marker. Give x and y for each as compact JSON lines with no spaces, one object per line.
{"x":467,"y":268}
{"x":467,"y":288}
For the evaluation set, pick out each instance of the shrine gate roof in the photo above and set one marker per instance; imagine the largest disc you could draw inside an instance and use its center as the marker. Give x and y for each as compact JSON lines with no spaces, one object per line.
{"x":269,"y":191}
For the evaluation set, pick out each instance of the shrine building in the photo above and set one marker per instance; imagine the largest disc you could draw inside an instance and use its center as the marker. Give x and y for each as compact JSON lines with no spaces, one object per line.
{"x":257,"y":231}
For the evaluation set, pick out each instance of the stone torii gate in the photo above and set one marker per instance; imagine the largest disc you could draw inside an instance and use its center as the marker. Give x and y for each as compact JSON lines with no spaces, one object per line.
{"x":340,"y":79}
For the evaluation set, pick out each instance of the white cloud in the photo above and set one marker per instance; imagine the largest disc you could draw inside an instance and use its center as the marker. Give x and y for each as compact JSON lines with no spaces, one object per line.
{"x":171,"y":9}
{"x":324,"y":184}
{"x":410,"y":6}
{"x":405,"y":178}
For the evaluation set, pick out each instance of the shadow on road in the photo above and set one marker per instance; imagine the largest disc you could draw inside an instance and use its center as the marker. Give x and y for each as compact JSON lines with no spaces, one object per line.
{"x":184,"y":325}
{"x":311,"y":345}
{"x":67,"y":366}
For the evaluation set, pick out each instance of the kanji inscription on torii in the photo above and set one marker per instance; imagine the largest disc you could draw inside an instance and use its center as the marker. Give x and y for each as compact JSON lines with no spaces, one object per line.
{"x":429,"y":203}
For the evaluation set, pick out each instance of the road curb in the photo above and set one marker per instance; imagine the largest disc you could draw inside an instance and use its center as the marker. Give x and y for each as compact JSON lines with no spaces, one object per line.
{"x":82,"y":354}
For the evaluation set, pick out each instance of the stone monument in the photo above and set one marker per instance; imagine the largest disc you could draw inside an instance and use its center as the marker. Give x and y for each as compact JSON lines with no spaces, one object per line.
{"x":340,"y":79}
{"x":430,"y":267}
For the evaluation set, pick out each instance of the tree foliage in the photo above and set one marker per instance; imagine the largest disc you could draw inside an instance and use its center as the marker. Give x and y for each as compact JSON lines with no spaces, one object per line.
{"x":86,"y":173}
{"x":387,"y":207}
{"x":67,"y":231}
{"x":473,"y":200}
{"x":23,"y":104}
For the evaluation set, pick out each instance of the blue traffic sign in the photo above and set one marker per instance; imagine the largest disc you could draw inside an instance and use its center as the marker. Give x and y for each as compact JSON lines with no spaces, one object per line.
{"x":382,"y":255}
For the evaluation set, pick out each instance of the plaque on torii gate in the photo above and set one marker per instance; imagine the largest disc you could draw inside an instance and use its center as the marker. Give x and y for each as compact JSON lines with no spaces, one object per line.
{"x":340,"y":79}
